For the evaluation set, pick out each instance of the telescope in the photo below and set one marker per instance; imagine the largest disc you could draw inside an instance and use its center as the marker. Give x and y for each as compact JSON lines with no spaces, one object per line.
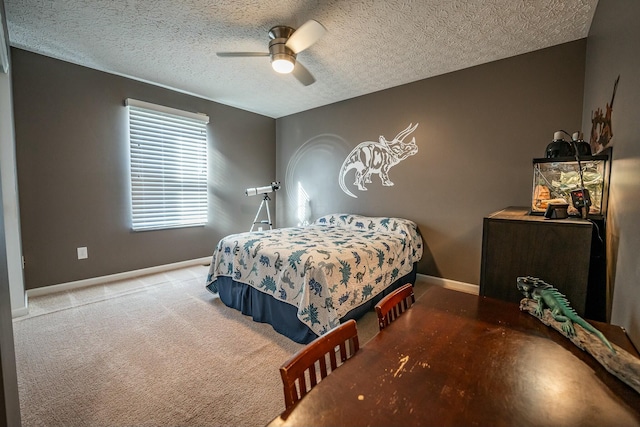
{"x":275,"y":186}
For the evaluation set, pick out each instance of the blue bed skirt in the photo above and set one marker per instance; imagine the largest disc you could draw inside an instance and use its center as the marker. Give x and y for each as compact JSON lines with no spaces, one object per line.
{"x":282,"y":316}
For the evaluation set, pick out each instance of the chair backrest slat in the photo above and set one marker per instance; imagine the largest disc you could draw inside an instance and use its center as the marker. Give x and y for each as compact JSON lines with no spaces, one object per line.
{"x":323,"y":367}
{"x":343,"y":352}
{"x":333,"y":359}
{"x":302,"y":384}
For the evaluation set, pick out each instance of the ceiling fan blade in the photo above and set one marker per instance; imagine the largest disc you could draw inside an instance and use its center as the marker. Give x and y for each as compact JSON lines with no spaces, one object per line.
{"x":241,"y":54}
{"x":302,"y":74}
{"x":308,"y":33}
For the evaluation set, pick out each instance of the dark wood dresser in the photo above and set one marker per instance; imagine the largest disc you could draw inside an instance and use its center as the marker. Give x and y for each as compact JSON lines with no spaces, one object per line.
{"x":559,"y":251}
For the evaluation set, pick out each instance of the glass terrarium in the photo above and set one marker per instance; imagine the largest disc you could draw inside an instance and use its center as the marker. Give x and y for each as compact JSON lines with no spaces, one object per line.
{"x":555,"y":179}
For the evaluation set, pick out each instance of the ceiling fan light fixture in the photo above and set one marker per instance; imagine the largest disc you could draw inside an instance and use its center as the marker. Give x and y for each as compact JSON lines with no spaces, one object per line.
{"x":282,"y":63}
{"x":284,"y":46}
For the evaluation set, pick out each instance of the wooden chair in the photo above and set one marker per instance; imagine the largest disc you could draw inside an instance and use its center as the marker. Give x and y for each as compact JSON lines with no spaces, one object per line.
{"x":309,"y":365}
{"x":393,"y":305}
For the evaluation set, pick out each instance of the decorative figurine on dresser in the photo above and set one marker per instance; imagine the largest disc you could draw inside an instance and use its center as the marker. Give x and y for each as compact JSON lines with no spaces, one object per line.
{"x":553,"y":309}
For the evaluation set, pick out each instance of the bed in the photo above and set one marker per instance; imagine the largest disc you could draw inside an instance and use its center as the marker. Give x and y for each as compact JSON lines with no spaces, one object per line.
{"x":306,"y":280}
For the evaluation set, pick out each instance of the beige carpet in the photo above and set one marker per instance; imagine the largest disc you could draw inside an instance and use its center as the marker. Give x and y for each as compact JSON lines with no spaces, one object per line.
{"x":155,"y":351}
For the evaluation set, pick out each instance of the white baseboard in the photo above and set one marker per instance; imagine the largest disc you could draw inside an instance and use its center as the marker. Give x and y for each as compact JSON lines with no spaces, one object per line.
{"x":21,"y":311}
{"x":46,"y":290}
{"x":451,"y":284}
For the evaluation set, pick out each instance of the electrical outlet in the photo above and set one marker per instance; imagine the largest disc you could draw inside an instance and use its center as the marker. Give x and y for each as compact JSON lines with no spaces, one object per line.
{"x":82,"y":253}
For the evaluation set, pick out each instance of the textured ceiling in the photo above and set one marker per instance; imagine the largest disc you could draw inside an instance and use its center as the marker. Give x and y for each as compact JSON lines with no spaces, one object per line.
{"x":370,"y":45}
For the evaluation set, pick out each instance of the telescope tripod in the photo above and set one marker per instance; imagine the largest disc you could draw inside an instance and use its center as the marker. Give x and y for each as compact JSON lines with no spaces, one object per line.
{"x":265,"y":202}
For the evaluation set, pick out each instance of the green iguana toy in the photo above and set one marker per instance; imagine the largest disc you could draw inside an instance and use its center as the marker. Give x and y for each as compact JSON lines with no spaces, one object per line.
{"x":549,"y":297}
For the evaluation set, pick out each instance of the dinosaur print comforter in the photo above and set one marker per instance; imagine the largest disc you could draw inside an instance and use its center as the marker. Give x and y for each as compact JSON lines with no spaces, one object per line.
{"x":325,"y":269}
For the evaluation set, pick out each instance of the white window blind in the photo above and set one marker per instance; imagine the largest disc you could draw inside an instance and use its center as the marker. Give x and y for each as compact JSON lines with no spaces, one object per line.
{"x":168,"y":152}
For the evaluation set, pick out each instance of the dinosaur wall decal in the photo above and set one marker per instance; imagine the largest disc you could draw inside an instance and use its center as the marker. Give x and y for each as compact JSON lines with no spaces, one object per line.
{"x":369,"y":158}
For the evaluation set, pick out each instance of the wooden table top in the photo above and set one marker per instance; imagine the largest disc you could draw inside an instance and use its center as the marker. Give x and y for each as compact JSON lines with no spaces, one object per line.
{"x":459,"y":359}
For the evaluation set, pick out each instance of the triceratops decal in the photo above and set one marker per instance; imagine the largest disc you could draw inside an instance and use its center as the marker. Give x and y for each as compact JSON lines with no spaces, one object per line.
{"x":377,"y":157}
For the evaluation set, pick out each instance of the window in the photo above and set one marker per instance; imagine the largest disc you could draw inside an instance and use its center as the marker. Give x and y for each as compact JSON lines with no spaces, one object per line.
{"x":168,"y":151}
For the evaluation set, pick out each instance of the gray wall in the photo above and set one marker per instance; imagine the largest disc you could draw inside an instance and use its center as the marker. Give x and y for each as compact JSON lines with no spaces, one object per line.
{"x":479,"y":130}
{"x":612,"y":50}
{"x":72,"y":156}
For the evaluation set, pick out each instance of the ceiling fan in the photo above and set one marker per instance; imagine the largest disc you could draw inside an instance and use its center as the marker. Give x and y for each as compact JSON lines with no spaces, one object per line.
{"x":286,"y":43}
